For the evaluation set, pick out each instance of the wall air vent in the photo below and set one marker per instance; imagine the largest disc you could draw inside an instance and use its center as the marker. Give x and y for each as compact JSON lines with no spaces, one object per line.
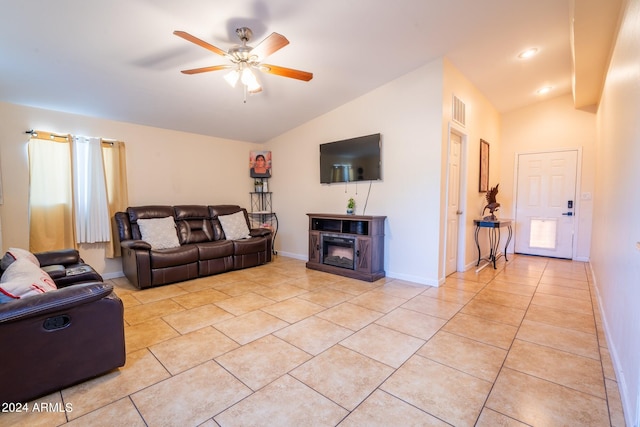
{"x":458,"y":113}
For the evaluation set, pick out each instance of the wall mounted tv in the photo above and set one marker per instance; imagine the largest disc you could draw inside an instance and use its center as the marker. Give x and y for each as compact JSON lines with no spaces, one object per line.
{"x":355,"y":159}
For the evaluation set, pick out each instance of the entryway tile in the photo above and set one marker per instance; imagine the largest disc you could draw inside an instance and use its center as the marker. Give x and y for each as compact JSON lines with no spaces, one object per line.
{"x":412,"y":323}
{"x":244,"y":303}
{"x":200,"y":298}
{"x":383,"y":410}
{"x":538,"y":402}
{"x":154,"y":310}
{"x":313,"y":335}
{"x":293,"y":310}
{"x":186,"y":351}
{"x":450,"y":293}
{"x":122,"y":412}
{"x":350,"y":316}
{"x":262,"y":361}
{"x":284,"y":402}
{"x":146,"y":334}
{"x":494,"y":312}
{"x":560,"y":338}
{"x":378,"y":301}
{"x":563,"y":319}
{"x":156,"y":294}
{"x":383,"y":344}
{"x":141,"y":370}
{"x":483,"y":330}
{"x":475,"y":358}
{"x":506,"y":299}
{"x":326,"y":297}
{"x":429,"y":385}
{"x":197,"y":318}
{"x":433,"y":306}
{"x":567,"y":369}
{"x":251,"y":326}
{"x":343,"y":375}
{"x":190,"y":398}
{"x":491,"y":418}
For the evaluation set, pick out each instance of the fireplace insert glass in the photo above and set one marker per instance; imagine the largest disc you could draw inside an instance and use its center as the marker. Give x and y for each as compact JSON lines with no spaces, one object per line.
{"x":338,"y":251}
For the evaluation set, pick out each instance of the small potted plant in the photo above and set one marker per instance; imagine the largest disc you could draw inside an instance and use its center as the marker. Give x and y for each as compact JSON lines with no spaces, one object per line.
{"x":351,"y":205}
{"x":258,"y":185}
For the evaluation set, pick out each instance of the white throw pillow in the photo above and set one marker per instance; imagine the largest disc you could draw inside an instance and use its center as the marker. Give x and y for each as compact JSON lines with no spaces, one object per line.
{"x":234,"y":226}
{"x":160,"y":233}
{"x":23,"y":279}
{"x":14,"y":254}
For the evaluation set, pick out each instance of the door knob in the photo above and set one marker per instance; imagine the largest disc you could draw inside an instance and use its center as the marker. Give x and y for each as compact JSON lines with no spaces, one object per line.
{"x":458,"y":212}
{"x":568,"y":213}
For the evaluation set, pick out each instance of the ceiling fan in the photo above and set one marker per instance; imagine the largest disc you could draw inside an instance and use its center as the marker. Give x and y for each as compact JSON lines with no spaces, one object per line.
{"x":245,"y":58}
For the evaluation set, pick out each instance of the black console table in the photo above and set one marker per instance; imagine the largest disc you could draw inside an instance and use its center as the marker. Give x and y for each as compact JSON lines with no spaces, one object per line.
{"x":493,"y":225}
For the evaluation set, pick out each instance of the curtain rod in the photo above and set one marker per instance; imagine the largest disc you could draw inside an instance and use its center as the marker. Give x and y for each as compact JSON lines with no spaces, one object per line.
{"x":34,"y":133}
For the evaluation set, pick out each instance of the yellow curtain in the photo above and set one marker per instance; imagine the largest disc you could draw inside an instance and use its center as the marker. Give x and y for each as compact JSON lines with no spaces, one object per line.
{"x":51,"y":222}
{"x":115,"y":167}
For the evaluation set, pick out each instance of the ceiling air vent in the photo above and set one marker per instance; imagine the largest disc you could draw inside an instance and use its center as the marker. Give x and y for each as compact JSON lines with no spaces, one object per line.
{"x":458,"y":113}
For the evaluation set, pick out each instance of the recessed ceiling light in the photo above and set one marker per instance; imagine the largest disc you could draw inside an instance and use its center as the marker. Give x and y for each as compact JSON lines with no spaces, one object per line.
{"x":528,"y":53}
{"x":544,"y":90}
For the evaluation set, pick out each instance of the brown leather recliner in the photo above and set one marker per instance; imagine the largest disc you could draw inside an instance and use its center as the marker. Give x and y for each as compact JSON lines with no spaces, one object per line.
{"x":59,"y":338}
{"x":66,"y":267}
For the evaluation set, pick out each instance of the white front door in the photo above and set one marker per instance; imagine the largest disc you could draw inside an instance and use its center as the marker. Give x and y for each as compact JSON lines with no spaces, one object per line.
{"x":453,"y":202}
{"x":545,"y":203}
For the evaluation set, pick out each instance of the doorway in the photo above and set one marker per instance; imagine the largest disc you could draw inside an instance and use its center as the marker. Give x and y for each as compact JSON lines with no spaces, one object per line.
{"x":453,"y":246}
{"x":546,"y":203}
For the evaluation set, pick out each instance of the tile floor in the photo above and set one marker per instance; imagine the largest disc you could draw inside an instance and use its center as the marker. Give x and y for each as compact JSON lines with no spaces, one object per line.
{"x":280,"y":345}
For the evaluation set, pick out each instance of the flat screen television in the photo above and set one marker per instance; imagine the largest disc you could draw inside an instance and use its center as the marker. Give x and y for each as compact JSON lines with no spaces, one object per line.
{"x":354,"y":159}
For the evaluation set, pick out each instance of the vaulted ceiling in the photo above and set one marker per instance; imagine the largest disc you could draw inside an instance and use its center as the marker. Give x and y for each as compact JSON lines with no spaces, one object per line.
{"x":119,"y":60}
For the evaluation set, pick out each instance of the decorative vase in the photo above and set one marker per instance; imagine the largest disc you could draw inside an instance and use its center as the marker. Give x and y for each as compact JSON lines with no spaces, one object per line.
{"x":258,"y":188}
{"x":349,"y":211}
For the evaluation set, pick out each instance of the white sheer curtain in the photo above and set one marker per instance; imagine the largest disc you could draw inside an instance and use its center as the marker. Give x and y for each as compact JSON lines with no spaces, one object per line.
{"x":90,"y":191}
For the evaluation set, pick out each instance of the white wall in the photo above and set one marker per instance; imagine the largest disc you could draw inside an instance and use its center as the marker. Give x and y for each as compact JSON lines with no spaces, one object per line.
{"x":616,"y":229}
{"x":551,"y":125}
{"x":482,"y":122}
{"x":163,"y":167}
{"x":408,"y":114}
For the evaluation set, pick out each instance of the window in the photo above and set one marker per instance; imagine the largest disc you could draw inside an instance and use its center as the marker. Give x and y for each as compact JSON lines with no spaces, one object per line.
{"x":76,"y":186}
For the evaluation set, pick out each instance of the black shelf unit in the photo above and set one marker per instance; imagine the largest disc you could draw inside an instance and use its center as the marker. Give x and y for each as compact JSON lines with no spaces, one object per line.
{"x":262,"y":214}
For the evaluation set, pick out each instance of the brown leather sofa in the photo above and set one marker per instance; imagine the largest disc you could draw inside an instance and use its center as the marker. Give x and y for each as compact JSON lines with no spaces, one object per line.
{"x":62,"y":337}
{"x":203,"y":251}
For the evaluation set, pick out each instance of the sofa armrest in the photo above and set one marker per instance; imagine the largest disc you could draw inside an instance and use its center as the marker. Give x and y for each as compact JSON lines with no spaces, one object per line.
{"x":260,"y":232}
{"x":63,"y":257}
{"x":61,"y":299}
{"x":135,"y":244}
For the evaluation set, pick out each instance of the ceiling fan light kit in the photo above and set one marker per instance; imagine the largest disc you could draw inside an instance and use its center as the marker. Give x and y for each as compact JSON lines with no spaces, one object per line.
{"x":244,"y":58}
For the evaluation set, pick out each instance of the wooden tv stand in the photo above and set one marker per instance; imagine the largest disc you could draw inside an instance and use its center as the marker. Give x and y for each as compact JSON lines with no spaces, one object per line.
{"x":348,"y":245}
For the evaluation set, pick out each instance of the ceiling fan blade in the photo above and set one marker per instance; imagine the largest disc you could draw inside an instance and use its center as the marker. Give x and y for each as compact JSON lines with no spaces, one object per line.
{"x":206,"y":69}
{"x":271,"y":44}
{"x":286,"y":72}
{"x":199,"y":42}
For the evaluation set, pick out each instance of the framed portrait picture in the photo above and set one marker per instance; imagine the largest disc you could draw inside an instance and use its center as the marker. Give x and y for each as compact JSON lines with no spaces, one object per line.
{"x":484,"y":166}
{"x":260,"y":164}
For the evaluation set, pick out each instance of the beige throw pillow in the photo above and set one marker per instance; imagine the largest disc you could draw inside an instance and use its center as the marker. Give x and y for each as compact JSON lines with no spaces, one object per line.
{"x":234,"y":226}
{"x":160,"y":233}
